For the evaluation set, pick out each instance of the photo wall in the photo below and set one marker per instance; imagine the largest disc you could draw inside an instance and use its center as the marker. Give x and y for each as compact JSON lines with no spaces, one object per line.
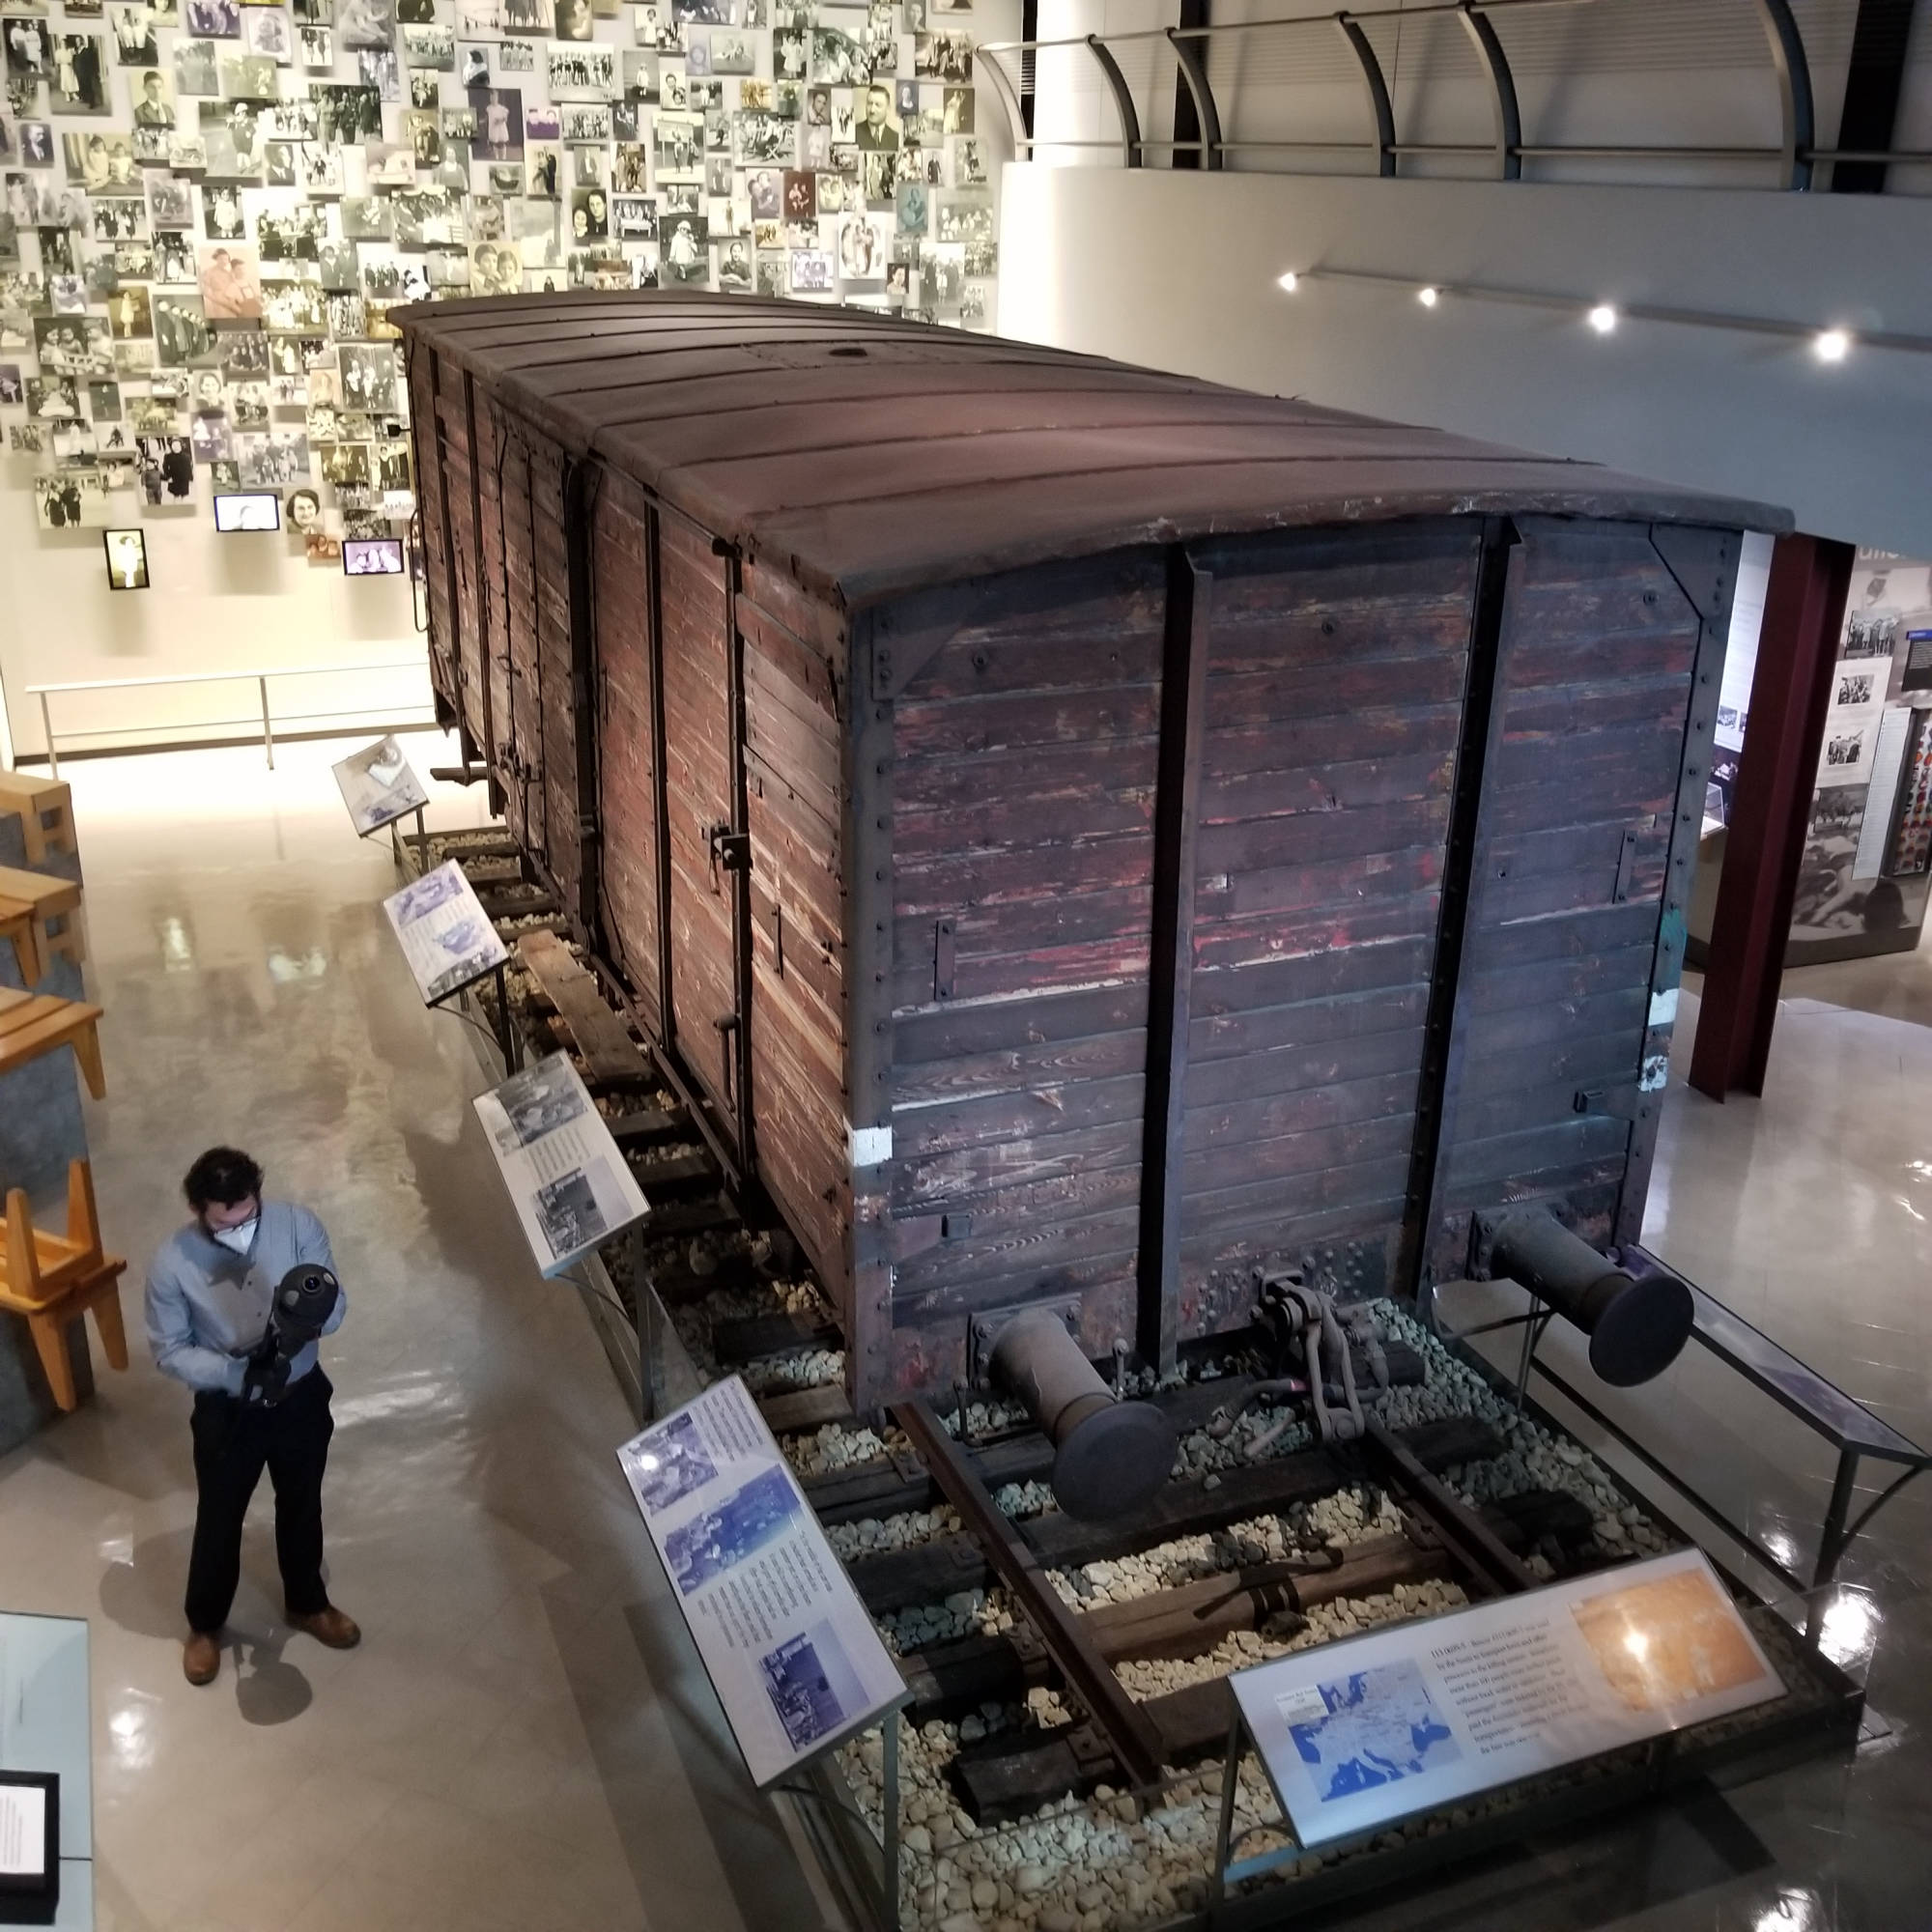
{"x":1864,"y":878}
{"x":211,"y":207}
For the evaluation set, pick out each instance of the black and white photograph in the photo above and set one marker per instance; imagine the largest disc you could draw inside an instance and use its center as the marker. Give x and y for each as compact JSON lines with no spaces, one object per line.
{"x":942,"y":56}
{"x":348,"y":114}
{"x":671,"y":1462}
{"x":98,"y":162}
{"x":432,"y":48}
{"x":77,"y":75}
{"x":213,"y":19}
{"x":499,"y":124}
{"x":164,"y":469}
{"x":126,"y":552}
{"x":1855,"y":688}
{"x":583,"y":71}
{"x":539,"y":1100}
{"x":71,"y":500}
{"x":568,"y":1213}
{"x":365,"y":23}
{"x":1869,"y":636}
{"x":812,"y":1686}
{"x":719,"y":1539}
{"x":135,"y":40}
{"x":315,"y":47}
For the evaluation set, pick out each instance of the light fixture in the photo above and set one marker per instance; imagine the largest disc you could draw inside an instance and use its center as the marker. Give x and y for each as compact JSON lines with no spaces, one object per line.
{"x":1428,"y":297}
{"x":1830,"y":345}
{"x":1603,"y":318}
{"x":1291,"y":281}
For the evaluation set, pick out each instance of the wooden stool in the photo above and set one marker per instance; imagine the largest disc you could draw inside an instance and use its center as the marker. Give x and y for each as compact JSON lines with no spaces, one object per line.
{"x":32,"y":1024}
{"x":46,"y":814}
{"x":55,"y":1279}
{"x":22,"y":930}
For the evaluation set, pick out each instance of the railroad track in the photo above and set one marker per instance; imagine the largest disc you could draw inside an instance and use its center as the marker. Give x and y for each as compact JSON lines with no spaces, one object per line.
{"x":1032,"y":1686}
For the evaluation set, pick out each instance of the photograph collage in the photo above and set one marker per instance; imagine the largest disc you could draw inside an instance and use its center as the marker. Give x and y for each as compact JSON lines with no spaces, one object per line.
{"x":211,"y":207}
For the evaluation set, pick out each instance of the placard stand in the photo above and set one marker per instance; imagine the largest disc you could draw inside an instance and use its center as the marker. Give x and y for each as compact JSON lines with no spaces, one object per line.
{"x":420,"y":838}
{"x":1222,"y":1875}
{"x":509,"y":1042}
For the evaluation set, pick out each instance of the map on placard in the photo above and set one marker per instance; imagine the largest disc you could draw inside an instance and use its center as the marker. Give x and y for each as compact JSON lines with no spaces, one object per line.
{"x":1368,"y":1729}
{"x":1419,"y":1715}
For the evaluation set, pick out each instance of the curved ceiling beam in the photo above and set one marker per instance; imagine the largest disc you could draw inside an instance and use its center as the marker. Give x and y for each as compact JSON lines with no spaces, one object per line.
{"x":1123,"y":101}
{"x":1194,"y":71}
{"x":1794,"y":87}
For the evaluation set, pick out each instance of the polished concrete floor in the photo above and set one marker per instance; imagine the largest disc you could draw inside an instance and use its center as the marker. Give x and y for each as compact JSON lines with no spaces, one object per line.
{"x":522,"y":1741}
{"x":523,"y":1738}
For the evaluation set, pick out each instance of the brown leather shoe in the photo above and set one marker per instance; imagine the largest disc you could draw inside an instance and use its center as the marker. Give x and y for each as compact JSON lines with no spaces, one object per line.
{"x":201,"y":1659}
{"x":330,"y":1627}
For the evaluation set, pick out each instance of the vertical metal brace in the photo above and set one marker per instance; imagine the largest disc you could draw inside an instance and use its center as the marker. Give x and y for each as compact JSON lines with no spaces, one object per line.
{"x":1194,"y":71}
{"x":943,"y":968}
{"x":1011,"y":105}
{"x":1503,"y":87}
{"x":1123,"y":101}
{"x":1380,"y":105}
{"x":1794,"y":87}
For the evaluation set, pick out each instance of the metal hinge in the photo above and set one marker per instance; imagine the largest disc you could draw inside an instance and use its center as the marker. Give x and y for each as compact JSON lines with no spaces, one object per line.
{"x":730,"y":851}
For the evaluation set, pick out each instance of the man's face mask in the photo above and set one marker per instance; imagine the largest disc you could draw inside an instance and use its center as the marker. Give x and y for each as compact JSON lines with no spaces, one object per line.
{"x":237,"y":1240}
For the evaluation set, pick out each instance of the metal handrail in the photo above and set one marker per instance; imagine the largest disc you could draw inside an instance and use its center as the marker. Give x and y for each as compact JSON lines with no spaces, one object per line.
{"x":1795,"y":157}
{"x":258,"y":677}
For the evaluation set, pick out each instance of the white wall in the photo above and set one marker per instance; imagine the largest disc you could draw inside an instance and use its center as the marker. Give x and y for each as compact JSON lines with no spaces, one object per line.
{"x":1178,"y":270}
{"x":217,"y":602}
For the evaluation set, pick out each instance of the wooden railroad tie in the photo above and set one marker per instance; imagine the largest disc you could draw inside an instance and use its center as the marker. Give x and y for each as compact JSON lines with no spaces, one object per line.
{"x":610,"y":1057}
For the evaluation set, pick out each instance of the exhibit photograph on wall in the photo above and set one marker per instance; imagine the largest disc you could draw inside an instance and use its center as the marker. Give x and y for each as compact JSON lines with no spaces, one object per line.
{"x":1861,"y":888}
{"x":210,"y":210}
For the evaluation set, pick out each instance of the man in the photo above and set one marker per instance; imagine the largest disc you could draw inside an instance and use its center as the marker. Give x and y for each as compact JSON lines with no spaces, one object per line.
{"x":876,"y":131}
{"x":208,"y":1299}
{"x":152,"y":109}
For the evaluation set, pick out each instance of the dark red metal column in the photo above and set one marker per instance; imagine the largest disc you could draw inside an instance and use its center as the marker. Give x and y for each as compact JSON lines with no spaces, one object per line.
{"x":1803,"y":610}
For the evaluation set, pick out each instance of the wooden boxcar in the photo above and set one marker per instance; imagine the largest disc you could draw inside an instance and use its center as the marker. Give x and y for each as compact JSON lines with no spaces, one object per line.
{"x":1076,"y":832}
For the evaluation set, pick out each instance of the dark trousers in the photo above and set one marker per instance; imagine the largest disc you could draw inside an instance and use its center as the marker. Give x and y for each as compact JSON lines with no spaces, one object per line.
{"x":233,"y":1444}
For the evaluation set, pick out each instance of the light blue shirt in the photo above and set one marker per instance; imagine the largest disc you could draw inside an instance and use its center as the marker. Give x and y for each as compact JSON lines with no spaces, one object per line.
{"x":207,"y":1308}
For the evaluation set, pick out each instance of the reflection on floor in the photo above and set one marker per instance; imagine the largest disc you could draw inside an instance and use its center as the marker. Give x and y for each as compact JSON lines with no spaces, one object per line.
{"x":523,"y":1738}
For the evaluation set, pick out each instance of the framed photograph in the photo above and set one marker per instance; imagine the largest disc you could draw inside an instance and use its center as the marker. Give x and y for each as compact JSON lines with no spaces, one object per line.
{"x":247,"y":511}
{"x":372,"y":557}
{"x":126,"y":552}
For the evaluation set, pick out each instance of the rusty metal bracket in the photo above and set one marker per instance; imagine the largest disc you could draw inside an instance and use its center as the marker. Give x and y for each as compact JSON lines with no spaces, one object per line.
{"x":984,"y":1331}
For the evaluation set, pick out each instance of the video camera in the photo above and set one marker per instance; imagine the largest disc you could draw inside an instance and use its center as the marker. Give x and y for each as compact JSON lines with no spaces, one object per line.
{"x":303,"y":1300}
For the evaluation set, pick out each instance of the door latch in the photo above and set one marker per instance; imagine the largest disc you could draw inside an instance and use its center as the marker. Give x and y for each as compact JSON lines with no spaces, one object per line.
{"x":730,"y":851}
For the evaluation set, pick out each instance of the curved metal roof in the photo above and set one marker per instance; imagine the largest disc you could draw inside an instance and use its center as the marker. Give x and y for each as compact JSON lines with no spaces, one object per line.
{"x":869,"y":457}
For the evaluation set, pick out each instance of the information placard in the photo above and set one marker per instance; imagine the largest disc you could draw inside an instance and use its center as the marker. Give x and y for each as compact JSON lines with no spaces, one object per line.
{"x":445,"y":934}
{"x":379,"y":786}
{"x":1359,"y":1733}
{"x":788,"y":1646}
{"x":573,"y":1189}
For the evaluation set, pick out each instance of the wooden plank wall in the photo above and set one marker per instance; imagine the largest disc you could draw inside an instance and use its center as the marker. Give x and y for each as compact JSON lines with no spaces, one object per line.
{"x":489,"y":454}
{"x":795,"y":703}
{"x":452,"y":422}
{"x":1335,"y":687}
{"x":435,"y":530}
{"x":628,"y":776}
{"x":1598,"y":650}
{"x":1023,"y":786}
{"x":559,"y":692}
{"x":697,"y":770}
{"x":520,"y":730}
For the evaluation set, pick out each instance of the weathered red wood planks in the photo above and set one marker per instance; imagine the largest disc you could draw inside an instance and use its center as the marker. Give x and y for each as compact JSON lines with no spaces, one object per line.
{"x":834,"y":675}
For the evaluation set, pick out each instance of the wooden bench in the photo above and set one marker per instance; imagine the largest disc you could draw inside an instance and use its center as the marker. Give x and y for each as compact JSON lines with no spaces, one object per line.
{"x":32,"y":1024}
{"x":52,"y":1280}
{"x":51,"y":905}
{"x":45,"y":806}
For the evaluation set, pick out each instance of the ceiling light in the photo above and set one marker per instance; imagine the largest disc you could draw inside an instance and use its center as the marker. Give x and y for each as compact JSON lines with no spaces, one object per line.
{"x":1291,"y":281}
{"x":1603,"y":318}
{"x":1832,"y":345}
{"x":1428,"y":297}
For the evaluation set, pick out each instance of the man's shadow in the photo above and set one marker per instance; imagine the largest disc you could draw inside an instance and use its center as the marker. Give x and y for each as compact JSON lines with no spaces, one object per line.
{"x":143,"y":1596}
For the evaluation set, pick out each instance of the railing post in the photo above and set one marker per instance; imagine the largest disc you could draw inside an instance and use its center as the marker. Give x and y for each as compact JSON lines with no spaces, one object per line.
{"x":267,"y":734}
{"x":1794,"y":88}
{"x":1502,"y":89}
{"x":1123,"y":101}
{"x":1380,"y":105}
{"x":47,"y":731}
{"x":1194,"y":71}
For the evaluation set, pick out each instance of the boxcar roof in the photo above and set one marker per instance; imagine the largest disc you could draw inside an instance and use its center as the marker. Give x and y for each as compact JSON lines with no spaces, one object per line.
{"x":869,"y":457}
